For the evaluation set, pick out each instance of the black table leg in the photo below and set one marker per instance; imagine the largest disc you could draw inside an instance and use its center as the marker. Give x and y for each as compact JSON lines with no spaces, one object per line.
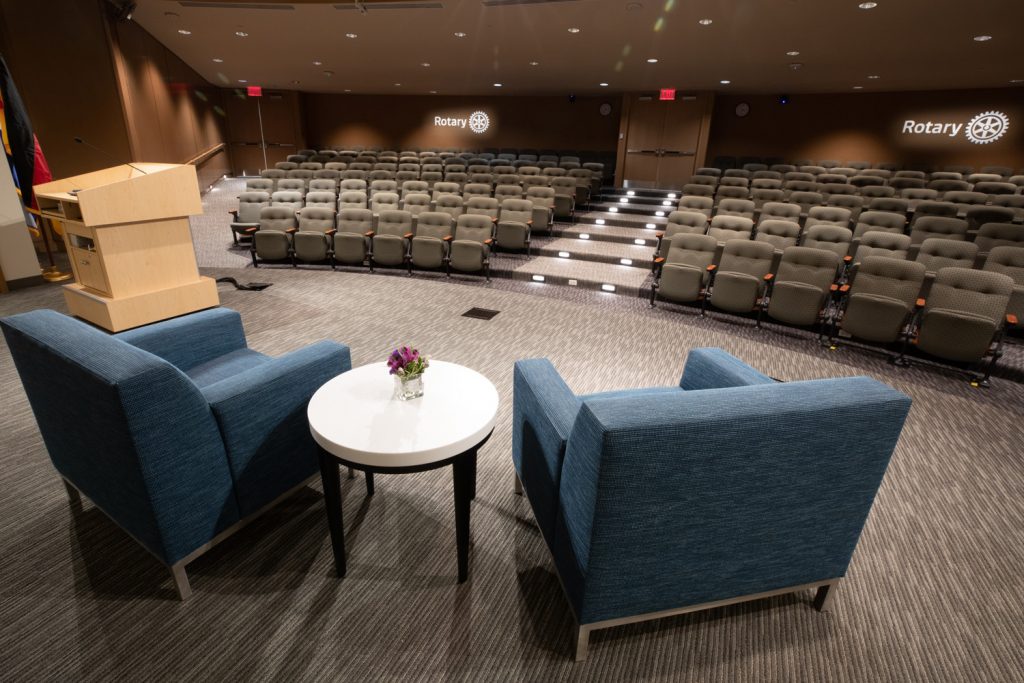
{"x":369,"y":483}
{"x":463,"y":475}
{"x":330,"y":476}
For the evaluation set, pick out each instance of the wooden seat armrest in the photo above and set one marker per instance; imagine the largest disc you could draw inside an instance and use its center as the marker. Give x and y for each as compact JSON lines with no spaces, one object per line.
{"x":920,"y":303}
{"x":368,"y":233}
{"x":847,"y":259}
{"x":489,"y":241}
{"x":332,"y":231}
{"x":711,"y":268}
{"x":1011,"y":319}
{"x":249,"y":231}
{"x":659,"y":260}
{"x":659,"y":235}
{"x":291,"y":231}
{"x":769,"y":277}
{"x":447,"y":238}
{"x":408,"y":235}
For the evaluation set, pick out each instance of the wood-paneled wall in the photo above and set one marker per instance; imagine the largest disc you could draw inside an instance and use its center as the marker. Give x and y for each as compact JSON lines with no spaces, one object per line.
{"x":281,"y":112}
{"x":868,"y":127}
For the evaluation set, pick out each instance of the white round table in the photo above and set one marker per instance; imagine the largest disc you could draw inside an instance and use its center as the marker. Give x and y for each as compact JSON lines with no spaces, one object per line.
{"x":358,"y":422}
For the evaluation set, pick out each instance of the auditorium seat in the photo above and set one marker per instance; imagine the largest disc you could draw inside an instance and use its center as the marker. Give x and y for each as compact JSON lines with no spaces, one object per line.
{"x":351,"y":243}
{"x":272,"y":241}
{"x":828,"y":236}
{"x":738,"y":283}
{"x":513,"y":227}
{"x":899,"y":184}
{"x":680,"y":222}
{"x":384,"y":201}
{"x":352,"y":199}
{"x":917,"y":195}
{"x":780,"y":210}
{"x":725,"y":228}
{"x":682,"y":274}
{"x":976,"y":216}
{"x":881,"y":244}
{"x":1013,"y":202}
{"x":689,"y":202}
{"x":429,"y":246}
{"x":945,"y":227}
{"x":450,"y":204}
{"x":833,"y":215}
{"x":311,"y":243}
{"x":850,"y":202}
{"x":288,"y":199}
{"x":880,"y":300}
{"x":995,"y":188}
{"x":736,"y":207}
{"x":778,"y":233}
{"x":470,"y":250}
{"x":260,"y":185}
{"x":322,"y":198}
{"x":323,"y":185}
{"x":993,"y":235}
{"x":390,"y":242}
{"x":419,"y":186}
{"x":543,"y":200}
{"x":890,"y":204}
{"x":482,"y":206}
{"x":937,"y":253}
{"x":800,"y":291}
{"x":247,"y":216}
{"x":1009,"y":261}
{"x":880,"y":220}
{"x":565,"y":197}
{"x":709,"y":180}
{"x":285,"y":165}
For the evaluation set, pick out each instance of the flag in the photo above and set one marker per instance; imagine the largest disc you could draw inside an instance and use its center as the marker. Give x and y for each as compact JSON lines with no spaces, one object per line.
{"x":28,"y":165}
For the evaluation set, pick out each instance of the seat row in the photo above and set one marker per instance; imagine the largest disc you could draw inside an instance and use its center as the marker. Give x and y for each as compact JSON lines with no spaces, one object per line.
{"x":535,"y":157}
{"x":959,"y":316}
{"x":752,"y":164}
{"x":390,"y":238}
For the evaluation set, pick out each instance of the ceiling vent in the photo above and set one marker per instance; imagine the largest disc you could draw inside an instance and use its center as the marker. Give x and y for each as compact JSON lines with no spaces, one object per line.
{"x":234,"y":5}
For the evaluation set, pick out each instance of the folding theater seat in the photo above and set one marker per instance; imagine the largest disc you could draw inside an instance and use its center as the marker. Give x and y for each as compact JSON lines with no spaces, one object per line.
{"x":827,"y":215}
{"x":738,"y":283}
{"x":802,"y":287}
{"x":313,"y":241}
{"x":272,"y":240}
{"x":693,"y":190}
{"x":543,"y":200}
{"x":900,"y":184}
{"x":470,"y":250}
{"x":382,"y":186}
{"x":565,"y":198}
{"x":303,"y":174}
{"x":287,"y":199}
{"x":352,"y":199}
{"x":880,"y":300}
{"x":247,"y":215}
{"x":384,"y":201}
{"x":709,"y":180}
{"x":475,"y":190}
{"x":416,"y":203}
{"x":778,"y":233}
{"x":482,"y":206}
{"x":891,"y":204}
{"x":449,"y":204}
{"x":736,"y":207}
{"x":993,"y":235}
{"x":351,"y":244}
{"x":977,"y":216}
{"x":880,"y":220}
{"x":271,"y":174}
{"x":944,"y":227}
{"x":995,"y":188}
{"x":806,"y":200}
{"x":352,"y":185}
{"x":430,"y":242}
{"x":828,"y":236}
{"x":503,"y":192}
{"x":726,"y":228}
{"x":916,"y":196}
{"x":761,"y":196}
{"x":881,"y":243}
{"x":514,"y":222}
{"x":965,"y":200}
{"x":680,"y":222}
{"x":780,"y":211}
{"x":323,"y":185}
{"x":853,"y":203}
{"x":259,"y":185}
{"x":1009,"y":261}
{"x":390,"y":242}
{"x":286,"y":165}
{"x":702,"y":205}
{"x":322,"y":199}
{"x":936,"y":253}
{"x":410,"y":186}
{"x":1014,"y":202}
{"x":682,"y":274}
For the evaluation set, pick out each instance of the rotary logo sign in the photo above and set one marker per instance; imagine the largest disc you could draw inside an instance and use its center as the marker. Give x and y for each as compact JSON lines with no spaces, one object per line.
{"x":478,"y":122}
{"x":983,"y":129}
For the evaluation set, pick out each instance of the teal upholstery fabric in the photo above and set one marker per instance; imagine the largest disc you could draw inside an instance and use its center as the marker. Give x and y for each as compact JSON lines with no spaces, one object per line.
{"x":672,"y":499}
{"x":123,"y":421}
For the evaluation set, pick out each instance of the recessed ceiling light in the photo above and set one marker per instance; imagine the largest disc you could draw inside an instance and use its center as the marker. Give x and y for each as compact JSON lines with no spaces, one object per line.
{"x":1017,"y":80}
{"x":603,"y":85}
{"x":460,"y":34}
{"x":242,"y":80}
{"x":497,"y":85}
{"x":184,"y":32}
{"x":858,"y":87}
{"x":347,"y":90}
{"x":725,"y":82}
{"x":982,"y":39}
{"x":705,"y":22}
{"x":874,"y":78}
{"x":573,"y":29}
{"x":241,"y":34}
{"x":793,"y":53}
{"x":328,"y":73}
{"x":534,"y":63}
{"x":351,"y":35}
{"x":433,"y":92}
{"x":796,"y":66}
{"x":318,"y":63}
{"x":218,"y":60}
{"x":398,"y":85}
{"x":868,"y":5}
{"x":652,"y":60}
{"x":424,"y":63}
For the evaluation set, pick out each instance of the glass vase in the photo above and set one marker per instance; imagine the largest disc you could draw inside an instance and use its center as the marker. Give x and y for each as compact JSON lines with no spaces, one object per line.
{"x":408,"y":388}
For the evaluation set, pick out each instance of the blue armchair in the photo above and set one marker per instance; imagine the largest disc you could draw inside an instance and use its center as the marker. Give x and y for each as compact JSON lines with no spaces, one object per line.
{"x":176,"y":430}
{"x":729,"y":487}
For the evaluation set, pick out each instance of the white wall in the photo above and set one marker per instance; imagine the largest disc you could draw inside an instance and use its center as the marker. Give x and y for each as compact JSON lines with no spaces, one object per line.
{"x":17,"y":255}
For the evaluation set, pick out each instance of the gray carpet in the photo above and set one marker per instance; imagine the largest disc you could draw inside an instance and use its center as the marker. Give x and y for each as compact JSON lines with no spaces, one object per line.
{"x":934,"y":592}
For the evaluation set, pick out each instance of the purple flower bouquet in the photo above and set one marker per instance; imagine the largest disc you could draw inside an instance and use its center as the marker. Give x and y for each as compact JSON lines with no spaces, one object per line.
{"x":408,"y":366}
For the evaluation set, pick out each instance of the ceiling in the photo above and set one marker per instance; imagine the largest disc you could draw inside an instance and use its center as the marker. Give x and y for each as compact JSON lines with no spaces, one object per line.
{"x":907,"y":44}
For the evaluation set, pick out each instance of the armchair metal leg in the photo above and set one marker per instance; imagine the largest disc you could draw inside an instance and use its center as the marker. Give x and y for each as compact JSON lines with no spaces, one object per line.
{"x":517,"y":485}
{"x":181,"y":583}
{"x":582,"y":641}
{"x":823,"y":598}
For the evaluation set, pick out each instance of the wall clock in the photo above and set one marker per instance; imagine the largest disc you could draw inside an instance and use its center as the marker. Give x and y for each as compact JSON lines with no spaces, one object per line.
{"x":605,"y":109}
{"x":742,"y":109}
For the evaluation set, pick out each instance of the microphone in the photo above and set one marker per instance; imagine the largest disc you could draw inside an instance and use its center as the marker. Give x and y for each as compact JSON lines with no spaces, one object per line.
{"x":109,"y":155}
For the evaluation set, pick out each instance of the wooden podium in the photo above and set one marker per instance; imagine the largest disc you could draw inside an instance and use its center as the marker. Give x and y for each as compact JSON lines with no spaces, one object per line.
{"x":127,"y":235}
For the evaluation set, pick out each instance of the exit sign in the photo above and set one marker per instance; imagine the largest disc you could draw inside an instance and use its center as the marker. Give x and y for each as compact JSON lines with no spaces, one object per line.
{"x":255,"y":91}
{"x":667,"y":94}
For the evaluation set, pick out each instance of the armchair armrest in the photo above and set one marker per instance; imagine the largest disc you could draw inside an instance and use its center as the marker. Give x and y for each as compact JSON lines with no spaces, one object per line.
{"x":712,"y":368}
{"x":262,"y":418}
{"x":543,"y":411}
{"x":190,"y":340}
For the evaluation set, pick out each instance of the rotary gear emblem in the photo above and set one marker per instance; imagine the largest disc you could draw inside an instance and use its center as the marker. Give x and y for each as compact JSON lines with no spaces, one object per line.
{"x":987,"y":127}
{"x":479,"y":122}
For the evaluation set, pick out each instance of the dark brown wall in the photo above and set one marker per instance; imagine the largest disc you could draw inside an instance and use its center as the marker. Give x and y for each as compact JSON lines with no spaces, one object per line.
{"x":866,"y":126}
{"x":282,"y":127}
{"x":173,"y":114}
{"x":408,"y":121}
{"x":59,"y":56}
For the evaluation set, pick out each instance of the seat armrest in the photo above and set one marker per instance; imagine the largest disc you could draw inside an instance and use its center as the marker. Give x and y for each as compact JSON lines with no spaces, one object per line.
{"x":190,"y":340}
{"x":252,"y":406}
{"x":712,"y":368}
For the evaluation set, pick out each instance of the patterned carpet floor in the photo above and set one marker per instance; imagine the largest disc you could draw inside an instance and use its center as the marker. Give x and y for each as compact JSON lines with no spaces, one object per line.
{"x":934,"y":593}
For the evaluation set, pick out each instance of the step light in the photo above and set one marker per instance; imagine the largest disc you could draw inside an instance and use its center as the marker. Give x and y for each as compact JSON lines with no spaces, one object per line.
{"x":573,"y":283}
{"x":659,"y":214}
{"x":538,"y":278}
{"x":584,"y":236}
{"x":608,"y":288}
{"x":639,"y":242}
{"x":671,"y":195}
{"x":623,"y":200}
{"x":614,"y":209}
{"x":563,"y":254}
{"x":666,"y":203}
{"x":631,"y":193}
{"x":650,"y":226}
{"x":626,"y":261}
{"x":600,"y":221}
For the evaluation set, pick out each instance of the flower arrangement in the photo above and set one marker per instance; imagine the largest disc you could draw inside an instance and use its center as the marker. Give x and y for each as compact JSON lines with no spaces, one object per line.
{"x":406,"y":363}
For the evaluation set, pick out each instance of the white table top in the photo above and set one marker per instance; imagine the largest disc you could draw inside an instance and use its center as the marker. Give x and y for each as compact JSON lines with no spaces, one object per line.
{"x":356,"y":417}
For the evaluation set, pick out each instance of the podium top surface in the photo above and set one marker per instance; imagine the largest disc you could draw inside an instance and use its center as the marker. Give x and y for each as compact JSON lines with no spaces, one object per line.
{"x":127,"y":194}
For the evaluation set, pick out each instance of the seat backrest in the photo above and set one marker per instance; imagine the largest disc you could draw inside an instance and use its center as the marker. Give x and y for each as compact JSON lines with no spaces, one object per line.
{"x":736,"y":173}
{"x":541,"y":196}
{"x":977,"y":292}
{"x":945,"y":227}
{"x":891,"y":204}
{"x":905,"y":183}
{"x":694,"y":190}
{"x":766,"y":175}
{"x":966,"y":198}
{"x":828,"y":214}
{"x":561,"y":186}
{"x":444,"y":188}
{"x":991,"y":235}
{"x":414,"y":186}
{"x":745,"y":256}
{"x":476,"y":190}
{"x":316,"y":218}
{"x":449,"y":204}
{"x":828,"y":236}
{"x":352,"y":184}
{"x":383,"y":186}
{"x":327,"y":199}
{"x":709,"y":180}
{"x":880,"y":220}
{"x":300,"y":173}
{"x":286,"y":165}
{"x":883,"y":243}
{"x":876,"y":191}
{"x":729,"y":192}
{"x":732,"y":181}
{"x":259,"y":185}
{"x":484,"y":206}
{"x":352,"y":199}
{"x":287,"y":199}
{"x":694,"y":203}
{"x":779,"y":233}
{"x":416,"y":202}
{"x":277,"y":218}
{"x":692,"y":219}
{"x":291,"y":185}
{"x":993,"y":188}
{"x":731,"y":224}
{"x":357,"y":221}
{"x":383,"y":201}
{"x":944,"y":185}
{"x":554,"y":172}
{"x":936,"y":253}
{"x":693,"y":250}
{"x":323,"y":185}
{"x":780,"y":210}
{"x":394,"y":222}
{"x":736,"y":207}
{"x":516,"y":210}
{"x":249,"y":205}
{"x":503,"y":192}
{"x":815,"y":267}
{"x":473,"y":227}
{"x":889,"y":277}
{"x":434,"y":224}
{"x":1009,"y":261}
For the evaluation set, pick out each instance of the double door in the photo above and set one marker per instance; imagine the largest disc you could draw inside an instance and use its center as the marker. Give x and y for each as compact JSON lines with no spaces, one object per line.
{"x":664,"y":140}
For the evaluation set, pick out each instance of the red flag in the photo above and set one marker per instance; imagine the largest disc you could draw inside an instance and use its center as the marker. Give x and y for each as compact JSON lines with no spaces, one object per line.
{"x":20,"y":144}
